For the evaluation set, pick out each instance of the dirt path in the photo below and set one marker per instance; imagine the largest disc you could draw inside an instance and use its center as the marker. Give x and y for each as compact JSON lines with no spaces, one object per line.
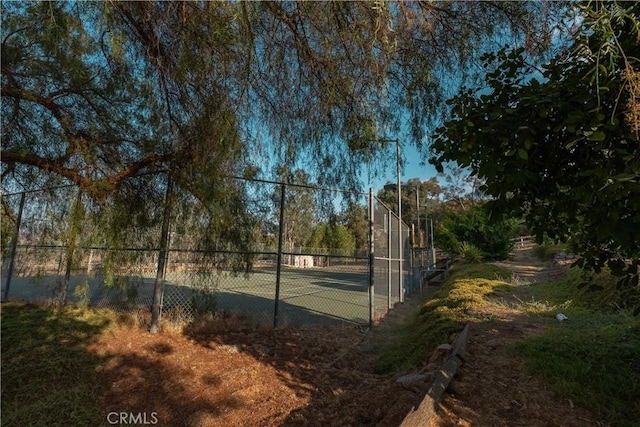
{"x":493,"y":387}
{"x":529,"y":268}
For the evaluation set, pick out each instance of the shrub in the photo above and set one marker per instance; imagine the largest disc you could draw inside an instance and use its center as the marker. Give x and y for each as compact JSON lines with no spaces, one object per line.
{"x":547,"y":251}
{"x":470,"y":253}
{"x":474,"y":226}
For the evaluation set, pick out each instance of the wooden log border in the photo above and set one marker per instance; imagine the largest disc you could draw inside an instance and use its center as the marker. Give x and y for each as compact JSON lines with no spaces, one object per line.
{"x":424,"y":410}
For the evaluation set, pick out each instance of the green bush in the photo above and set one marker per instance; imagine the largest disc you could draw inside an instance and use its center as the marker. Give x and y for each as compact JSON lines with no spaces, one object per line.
{"x":470,"y":253}
{"x":447,"y":241}
{"x":547,"y":251}
{"x":474,"y":226}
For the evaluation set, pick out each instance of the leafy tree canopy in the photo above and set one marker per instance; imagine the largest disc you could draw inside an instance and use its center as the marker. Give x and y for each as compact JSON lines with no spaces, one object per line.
{"x":299,"y":207}
{"x":461,"y":187}
{"x":559,"y":143}
{"x":94,"y":93}
{"x":356,"y":220}
{"x":428,"y":192}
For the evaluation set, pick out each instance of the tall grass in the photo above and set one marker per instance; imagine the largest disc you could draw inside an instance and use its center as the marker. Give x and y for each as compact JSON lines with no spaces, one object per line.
{"x":594,"y":357}
{"x":580,"y":290}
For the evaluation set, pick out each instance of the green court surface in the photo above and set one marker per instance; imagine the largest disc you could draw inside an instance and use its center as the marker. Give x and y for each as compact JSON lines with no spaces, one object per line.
{"x":306,"y":296}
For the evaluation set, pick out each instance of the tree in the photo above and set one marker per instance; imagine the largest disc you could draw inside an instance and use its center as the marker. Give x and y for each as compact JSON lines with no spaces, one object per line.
{"x":462,"y":187}
{"x":356,"y":220}
{"x":71,"y":109}
{"x":342,"y":240}
{"x":95,"y":93}
{"x":92,"y":97}
{"x":8,"y":218}
{"x":334,"y":238}
{"x":299,"y":208}
{"x":559,"y":143}
{"x":428,"y":193}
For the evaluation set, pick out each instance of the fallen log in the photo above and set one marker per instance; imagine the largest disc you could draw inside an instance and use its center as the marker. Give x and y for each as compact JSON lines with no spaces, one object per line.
{"x":423,"y":411}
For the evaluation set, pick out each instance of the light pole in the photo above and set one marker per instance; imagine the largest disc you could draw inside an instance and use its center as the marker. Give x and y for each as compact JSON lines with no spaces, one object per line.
{"x":400,"y":245}
{"x":428,"y":232}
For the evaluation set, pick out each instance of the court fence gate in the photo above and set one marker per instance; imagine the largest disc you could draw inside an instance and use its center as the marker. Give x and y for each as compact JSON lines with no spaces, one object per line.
{"x":171,"y":261}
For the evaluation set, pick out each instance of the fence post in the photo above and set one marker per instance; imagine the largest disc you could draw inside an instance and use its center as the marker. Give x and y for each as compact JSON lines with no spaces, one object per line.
{"x":390,"y":263}
{"x":158,"y":289}
{"x":412,"y":286}
{"x":279,"y":259}
{"x":14,"y":244}
{"x":371,"y":261}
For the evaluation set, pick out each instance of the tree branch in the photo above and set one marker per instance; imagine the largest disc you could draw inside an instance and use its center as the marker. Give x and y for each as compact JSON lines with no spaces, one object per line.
{"x":56,"y":166}
{"x":47,"y":165}
{"x":136,"y":167}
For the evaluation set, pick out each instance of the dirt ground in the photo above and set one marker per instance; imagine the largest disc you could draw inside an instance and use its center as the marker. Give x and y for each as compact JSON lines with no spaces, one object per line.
{"x":226,"y":373}
{"x":229,"y":374}
{"x":493,"y":388}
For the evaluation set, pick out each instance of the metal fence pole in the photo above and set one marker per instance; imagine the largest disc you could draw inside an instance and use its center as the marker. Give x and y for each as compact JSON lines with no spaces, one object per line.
{"x":158,"y":289}
{"x":411,"y":265}
{"x":14,"y":244}
{"x":279,"y":259}
{"x":419,"y":237}
{"x":390,"y":306}
{"x":371,"y":261}
{"x":400,"y":245}
{"x":433,"y":249}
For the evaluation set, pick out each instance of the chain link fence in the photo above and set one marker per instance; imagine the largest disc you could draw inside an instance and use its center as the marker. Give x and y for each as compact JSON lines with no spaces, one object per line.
{"x":393,"y":277}
{"x":291,"y":254}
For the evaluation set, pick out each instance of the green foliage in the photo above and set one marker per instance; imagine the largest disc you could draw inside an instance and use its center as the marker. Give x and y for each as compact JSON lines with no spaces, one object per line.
{"x":83,"y":102}
{"x":440,"y":316}
{"x":461,"y":187}
{"x":477,"y":271}
{"x":299,"y":208}
{"x":446,"y":240}
{"x":470,"y":253}
{"x":546,"y":251}
{"x":593,"y":361}
{"x":82,"y":293}
{"x":95,"y":92}
{"x":356,"y":220}
{"x":7,"y":227}
{"x":335,"y":238}
{"x":342,"y":239}
{"x":48,"y":376}
{"x":428,"y":193}
{"x":580,"y":289}
{"x":474,"y":227}
{"x":556,"y":145}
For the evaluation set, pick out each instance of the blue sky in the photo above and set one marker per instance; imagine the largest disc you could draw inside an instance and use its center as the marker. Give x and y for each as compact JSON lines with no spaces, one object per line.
{"x":411,"y":168}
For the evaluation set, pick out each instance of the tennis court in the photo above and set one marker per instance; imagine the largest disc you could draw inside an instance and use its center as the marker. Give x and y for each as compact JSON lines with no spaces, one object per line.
{"x":316,"y":284}
{"x":306,"y":296}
